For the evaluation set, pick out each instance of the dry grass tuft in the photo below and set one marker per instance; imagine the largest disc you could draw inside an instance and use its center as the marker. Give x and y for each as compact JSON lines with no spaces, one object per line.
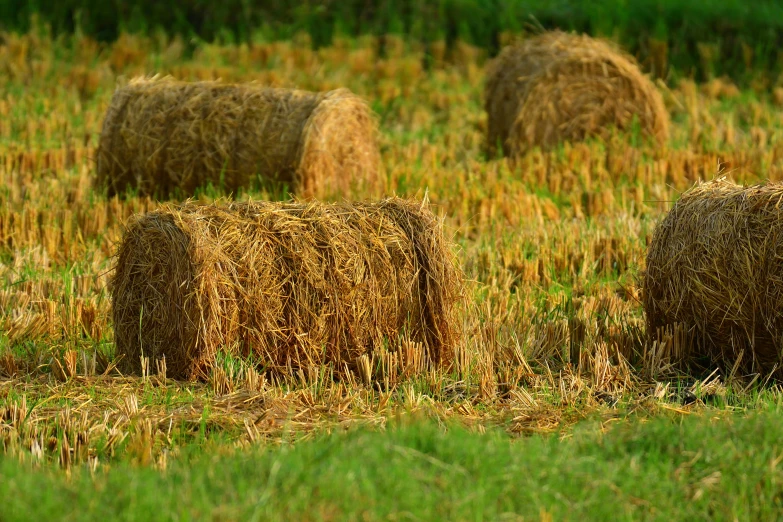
{"x":161,"y":135}
{"x":720,"y":88}
{"x":714,"y":270}
{"x":293,"y":285}
{"x":558,"y":86}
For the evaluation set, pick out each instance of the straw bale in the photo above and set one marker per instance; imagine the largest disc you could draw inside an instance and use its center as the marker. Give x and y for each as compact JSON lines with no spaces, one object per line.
{"x":714,"y":268}
{"x":291,"y":284}
{"x":161,"y":136}
{"x":558,"y":86}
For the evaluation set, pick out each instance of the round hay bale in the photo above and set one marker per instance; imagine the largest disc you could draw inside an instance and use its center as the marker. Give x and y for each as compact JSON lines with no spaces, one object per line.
{"x":161,"y":136}
{"x":714,"y":268}
{"x":559,"y":86}
{"x":291,"y":284}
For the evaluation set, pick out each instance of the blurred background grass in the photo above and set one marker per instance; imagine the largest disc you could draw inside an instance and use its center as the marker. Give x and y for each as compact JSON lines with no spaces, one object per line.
{"x":701,"y":38}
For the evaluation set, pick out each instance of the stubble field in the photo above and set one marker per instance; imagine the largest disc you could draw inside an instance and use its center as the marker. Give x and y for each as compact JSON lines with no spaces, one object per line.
{"x":554,"y":351}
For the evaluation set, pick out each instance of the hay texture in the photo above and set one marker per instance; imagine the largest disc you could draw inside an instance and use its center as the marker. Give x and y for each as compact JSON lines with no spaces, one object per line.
{"x":161,"y":135}
{"x":290,"y":284}
{"x":559,"y":86}
{"x":715,"y":266}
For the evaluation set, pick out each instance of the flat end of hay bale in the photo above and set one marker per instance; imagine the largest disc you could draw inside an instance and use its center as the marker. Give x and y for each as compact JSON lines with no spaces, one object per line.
{"x":340,"y":152}
{"x":154,"y":276}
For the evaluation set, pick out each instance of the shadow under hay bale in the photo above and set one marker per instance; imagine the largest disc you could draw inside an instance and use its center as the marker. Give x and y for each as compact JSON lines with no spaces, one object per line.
{"x":164,"y":137}
{"x":714,"y":268}
{"x":291,"y":285}
{"x":559,"y":86}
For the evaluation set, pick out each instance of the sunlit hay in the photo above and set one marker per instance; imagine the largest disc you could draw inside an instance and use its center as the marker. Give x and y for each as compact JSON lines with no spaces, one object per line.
{"x":161,"y":136}
{"x":85,"y":80}
{"x":713,"y":267}
{"x":720,"y":88}
{"x":558,"y":86}
{"x":291,"y":284}
{"x":777,"y":96}
{"x":128,"y":51}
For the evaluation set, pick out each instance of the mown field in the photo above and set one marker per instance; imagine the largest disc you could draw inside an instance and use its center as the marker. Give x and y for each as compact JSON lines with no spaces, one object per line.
{"x":560,"y":404}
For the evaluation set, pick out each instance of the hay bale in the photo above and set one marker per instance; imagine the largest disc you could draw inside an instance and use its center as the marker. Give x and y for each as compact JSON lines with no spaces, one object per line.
{"x":714,"y":267}
{"x":292,"y":284}
{"x":558,"y":86}
{"x":160,"y":135}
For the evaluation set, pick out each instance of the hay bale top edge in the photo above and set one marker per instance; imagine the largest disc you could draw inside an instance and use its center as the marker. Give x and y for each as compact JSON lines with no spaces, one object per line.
{"x":557,"y":47}
{"x":146,"y":82}
{"x":722,"y":190}
{"x":193,"y":207}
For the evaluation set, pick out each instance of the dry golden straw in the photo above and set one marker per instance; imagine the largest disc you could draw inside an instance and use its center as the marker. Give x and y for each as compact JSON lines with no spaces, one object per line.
{"x":290,"y":284}
{"x":714,"y":266}
{"x":563,"y":87}
{"x":161,"y":136}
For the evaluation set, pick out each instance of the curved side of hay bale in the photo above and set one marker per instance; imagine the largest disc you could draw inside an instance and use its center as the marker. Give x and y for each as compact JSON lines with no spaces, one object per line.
{"x":161,"y":136}
{"x":292,"y":284}
{"x":714,"y":267}
{"x":560,"y":86}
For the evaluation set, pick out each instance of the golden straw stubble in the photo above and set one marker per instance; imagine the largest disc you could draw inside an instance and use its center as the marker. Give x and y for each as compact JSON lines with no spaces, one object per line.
{"x":164,"y":137}
{"x":289,"y":284}
{"x":557,"y":87}
{"x":715,"y":267}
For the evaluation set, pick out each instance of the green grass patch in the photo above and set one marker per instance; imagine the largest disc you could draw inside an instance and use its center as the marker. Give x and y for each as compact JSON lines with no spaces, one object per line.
{"x":685,"y":468}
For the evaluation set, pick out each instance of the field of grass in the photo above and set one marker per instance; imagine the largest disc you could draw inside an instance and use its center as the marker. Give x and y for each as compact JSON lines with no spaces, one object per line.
{"x":715,"y":467}
{"x":555,"y":350}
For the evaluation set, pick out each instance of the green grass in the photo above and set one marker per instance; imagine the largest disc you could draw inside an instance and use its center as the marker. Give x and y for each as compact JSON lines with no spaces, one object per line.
{"x":690,"y":468}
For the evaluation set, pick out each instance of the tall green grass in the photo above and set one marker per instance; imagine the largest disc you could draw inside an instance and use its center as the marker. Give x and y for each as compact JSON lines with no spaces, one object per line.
{"x":666,"y":469}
